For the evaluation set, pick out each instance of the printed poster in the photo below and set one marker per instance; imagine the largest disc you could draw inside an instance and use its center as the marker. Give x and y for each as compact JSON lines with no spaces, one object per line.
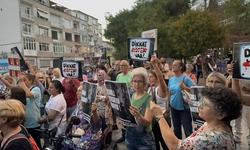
{"x":120,"y":102}
{"x":14,"y":65}
{"x":3,"y":88}
{"x":150,"y":34}
{"x":88,"y":97}
{"x":70,"y":69}
{"x":140,"y":49}
{"x":196,"y":97}
{"x":23,"y":65}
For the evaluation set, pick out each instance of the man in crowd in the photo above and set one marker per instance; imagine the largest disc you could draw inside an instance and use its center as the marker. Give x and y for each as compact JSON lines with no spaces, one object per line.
{"x":114,"y":73}
{"x":124,"y":77}
{"x":165,"y":67}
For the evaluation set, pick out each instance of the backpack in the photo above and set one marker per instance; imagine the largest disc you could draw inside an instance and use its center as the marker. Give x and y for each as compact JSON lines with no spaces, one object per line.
{"x":22,"y":136}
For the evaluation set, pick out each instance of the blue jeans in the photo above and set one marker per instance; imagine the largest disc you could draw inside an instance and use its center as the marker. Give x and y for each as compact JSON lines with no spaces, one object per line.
{"x":137,"y":138}
{"x":182,"y":117}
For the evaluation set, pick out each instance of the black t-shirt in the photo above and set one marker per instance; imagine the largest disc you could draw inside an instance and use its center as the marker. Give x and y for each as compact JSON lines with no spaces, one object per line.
{"x":18,"y":144}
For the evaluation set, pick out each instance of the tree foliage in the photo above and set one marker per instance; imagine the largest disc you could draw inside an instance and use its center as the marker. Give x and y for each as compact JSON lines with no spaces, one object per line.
{"x":195,"y":32}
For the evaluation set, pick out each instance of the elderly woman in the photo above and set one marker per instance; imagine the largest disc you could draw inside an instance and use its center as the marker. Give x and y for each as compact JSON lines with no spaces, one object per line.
{"x":160,"y":95}
{"x":91,"y":132}
{"x":12,"y":114}
{"x":218,"y":107}
{"x":216,"y":79}
{"x":140,"y":137}
{"x":179,"y":109}
{"x":189,"y":68}
{"x":57,"y":74}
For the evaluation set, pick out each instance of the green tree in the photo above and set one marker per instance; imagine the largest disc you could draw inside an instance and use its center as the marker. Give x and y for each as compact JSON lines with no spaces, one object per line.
{"x":195,"y":32}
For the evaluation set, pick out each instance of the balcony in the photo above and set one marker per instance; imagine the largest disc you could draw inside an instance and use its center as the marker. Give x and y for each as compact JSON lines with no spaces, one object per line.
{"x":56,"y":25}
{"x":28,"y":34}
{"x":76,"y":30}
{"x":91,"y":33}
{"x":27,"y":17}
{"x":91,"y":44}
{"x":44,"y":54}
{"x":85,"y":43}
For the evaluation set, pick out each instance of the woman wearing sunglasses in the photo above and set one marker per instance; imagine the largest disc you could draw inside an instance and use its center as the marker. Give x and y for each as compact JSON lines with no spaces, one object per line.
{"x":219,"y":105}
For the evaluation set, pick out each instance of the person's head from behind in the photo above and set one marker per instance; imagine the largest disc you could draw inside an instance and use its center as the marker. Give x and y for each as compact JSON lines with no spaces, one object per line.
{"x":57,"y":73}
{"x":55,"y":88}
{"x":219,"y":104}
{"x":124,"y":66}
{"x":139,"y":79}
{"x":17,"y":93}
{"x":12,"y":113}
{"x":178,"y":66}
{"x":216,"y":79}
{"x":189,"y":68}
{"x":100,"y":67}
{"x":79,"y":92}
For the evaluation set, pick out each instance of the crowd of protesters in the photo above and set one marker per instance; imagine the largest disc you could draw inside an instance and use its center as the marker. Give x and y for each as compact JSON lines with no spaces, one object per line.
{"x":38,"y":98}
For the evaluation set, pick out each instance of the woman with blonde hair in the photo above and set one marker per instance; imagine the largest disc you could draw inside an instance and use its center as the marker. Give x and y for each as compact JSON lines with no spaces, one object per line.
{"x":12,"y":114}
{"x":57,"y":75}
{"x":216,"y":79}
{"x":189,"y":68}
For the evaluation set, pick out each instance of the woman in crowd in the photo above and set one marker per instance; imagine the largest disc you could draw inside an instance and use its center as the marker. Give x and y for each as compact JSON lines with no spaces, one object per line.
{"x":140,"y":137}
{"x":160,"y":93}
{"x":179,"y":109}
{"x":70,"y":96}
{"x":216,"y":79}
{"x":55,"y":108}
{"x":17,"y":93}
{"x":57,"y":75}
{"x":218,"y":107}
{"x":12,"y":114}
{"x":211,"y":65}
{"x":90,"y":74}
{"x":32,"y":113}
{"x":198,"y":68}
{"x":189,"y":68}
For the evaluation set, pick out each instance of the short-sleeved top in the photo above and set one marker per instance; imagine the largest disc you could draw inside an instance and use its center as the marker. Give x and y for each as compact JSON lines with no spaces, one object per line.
{"x":137,"y":103}
{"x":58,"y":104}
{"x":41,"y":87}
{"x":59,"y":79}
{"x":122,"y":78}
{"x":20,"y":143}
{"x":209,"y":140}
{"x":32,"y":112}
{"x":69,"y":94}
{"x":176,"y":100}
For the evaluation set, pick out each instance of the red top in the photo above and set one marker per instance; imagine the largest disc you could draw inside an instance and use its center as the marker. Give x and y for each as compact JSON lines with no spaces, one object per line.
{"x":70,"y":95}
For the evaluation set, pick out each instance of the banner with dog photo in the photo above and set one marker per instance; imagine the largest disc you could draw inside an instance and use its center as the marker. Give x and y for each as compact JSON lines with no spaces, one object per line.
{"x":120,"y":101}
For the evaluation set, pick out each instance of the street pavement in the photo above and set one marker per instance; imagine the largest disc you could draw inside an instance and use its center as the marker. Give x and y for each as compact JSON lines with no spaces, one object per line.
{"x":239,"y":146}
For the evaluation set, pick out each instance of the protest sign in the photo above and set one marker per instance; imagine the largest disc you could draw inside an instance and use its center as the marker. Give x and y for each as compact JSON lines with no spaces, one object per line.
{"x":241,"y":57}
{"x":120,"y":101}
{"x":71,"y":69}
{"x":4,"y":66}
{"x":140,"y":49}
{"x":196,"y":97}
{"x":150,"y":34}
{"x":3,"y":89}
{"x":88,"y":97}
{"x":23,"y":65}
{"x":14,"y":65}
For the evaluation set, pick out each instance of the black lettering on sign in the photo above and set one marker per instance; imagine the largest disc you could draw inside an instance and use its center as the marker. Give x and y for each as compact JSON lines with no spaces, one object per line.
{"x":247,"y":53}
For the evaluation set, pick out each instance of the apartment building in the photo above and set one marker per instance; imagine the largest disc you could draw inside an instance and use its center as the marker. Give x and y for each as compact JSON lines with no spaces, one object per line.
{"x":45,"y":32}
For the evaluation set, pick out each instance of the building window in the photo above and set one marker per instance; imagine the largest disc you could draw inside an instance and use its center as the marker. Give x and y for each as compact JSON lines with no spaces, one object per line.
{"x":82,"y":17}
{"x":43,"y":15}
{"x":68,"y":36}
{"x":75,"y":25}
{"x":84,"y":38}
{"x":94,"y":21}
{"x":54,"y":35}
{"x":83,"y":27}
{"x":43,"y":31}
{"x":29,"y":44}
{"x":54,"y":20}
{"x":58,"y":49}
{"x":25,"y":11}
{"x":43,"y":47}
{"x":67,"y":24}
{"x":68,"y":49}
{"x":26,"y":29}
{"x":95,"y":32}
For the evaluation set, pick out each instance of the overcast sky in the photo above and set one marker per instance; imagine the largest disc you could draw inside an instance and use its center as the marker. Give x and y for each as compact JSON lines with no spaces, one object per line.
{"x":97,"y":8}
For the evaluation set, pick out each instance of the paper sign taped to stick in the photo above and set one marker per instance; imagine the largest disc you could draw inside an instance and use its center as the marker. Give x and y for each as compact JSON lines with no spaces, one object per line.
{"x":70,"y":69}
{"x":14,"y":65}
{"x":140,"y":49}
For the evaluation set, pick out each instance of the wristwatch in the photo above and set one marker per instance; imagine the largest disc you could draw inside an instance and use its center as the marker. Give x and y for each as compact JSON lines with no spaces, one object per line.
{"x":157,"y":118}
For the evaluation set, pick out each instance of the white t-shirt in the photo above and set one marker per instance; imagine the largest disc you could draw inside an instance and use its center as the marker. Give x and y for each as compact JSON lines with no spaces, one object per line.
{"x":162,"y":102}
{"x":58,"y":79}
{"x":57,"y":103}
